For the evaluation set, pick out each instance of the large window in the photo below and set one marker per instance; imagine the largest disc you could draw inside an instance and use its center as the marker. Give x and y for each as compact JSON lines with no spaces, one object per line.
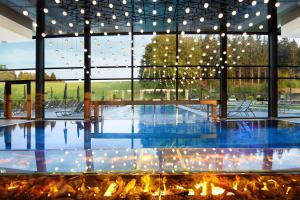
{"x":247,"y":76}
{"x":288,"y":77}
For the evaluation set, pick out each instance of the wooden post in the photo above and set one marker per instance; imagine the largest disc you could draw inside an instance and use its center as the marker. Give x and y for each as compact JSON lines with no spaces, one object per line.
{"x":214,"y":113}
{"x":28,"y":101}
{"x":96,"y":110}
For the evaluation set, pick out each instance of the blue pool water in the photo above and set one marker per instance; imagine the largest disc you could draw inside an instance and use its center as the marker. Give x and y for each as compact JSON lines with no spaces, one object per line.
{"x":150,"y":127}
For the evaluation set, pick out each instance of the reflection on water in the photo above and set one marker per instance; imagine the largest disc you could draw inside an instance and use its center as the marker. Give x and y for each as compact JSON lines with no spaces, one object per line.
{"x":161,"y":139}
{"x":150,"y":160}
{"x":137,"y":134}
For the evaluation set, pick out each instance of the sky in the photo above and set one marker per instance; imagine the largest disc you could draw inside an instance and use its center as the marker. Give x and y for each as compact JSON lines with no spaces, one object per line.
{"x":68,"y":52}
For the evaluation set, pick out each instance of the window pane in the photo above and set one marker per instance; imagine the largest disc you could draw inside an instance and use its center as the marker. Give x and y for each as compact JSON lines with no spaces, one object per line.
{"x":247,"y":98}
{"x":199,"y":89}
{"x":111,"y":90}
{"x":64,"y":99}
{"x":289,"y":72}
{"x":17,"y":55}
{"x":111,"y":50}
{"x":152,"y":50}
{"x":64,"y":52}
{"x":247,"y":72}
{"x":288,"y":51}
{"x":198,"y":50}
{"x":154,"y":89}
{"x":247,"y":50}
{"x":289,"y":98}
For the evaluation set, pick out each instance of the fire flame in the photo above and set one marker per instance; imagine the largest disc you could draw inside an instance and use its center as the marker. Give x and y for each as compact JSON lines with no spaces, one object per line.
{"x":214,"y":189}
{"x":146,"y":181}
{"x":111,"y":188}
{"x":12,"y":186}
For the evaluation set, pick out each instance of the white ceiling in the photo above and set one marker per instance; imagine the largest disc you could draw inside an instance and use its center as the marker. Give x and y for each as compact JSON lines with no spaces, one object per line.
{"x":11,"y":31}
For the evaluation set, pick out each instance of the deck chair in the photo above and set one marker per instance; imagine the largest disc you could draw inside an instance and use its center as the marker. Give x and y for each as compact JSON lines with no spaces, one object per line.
{"x":243,"y":108}
{"x":65,"y":113}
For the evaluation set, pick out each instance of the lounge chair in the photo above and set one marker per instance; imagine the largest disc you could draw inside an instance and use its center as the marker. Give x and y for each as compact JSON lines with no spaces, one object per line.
{"x":65,"y":113}
{"x":243,"y":108}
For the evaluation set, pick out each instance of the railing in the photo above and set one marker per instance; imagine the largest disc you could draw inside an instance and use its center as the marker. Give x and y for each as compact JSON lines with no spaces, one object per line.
{"x":210,"y":103}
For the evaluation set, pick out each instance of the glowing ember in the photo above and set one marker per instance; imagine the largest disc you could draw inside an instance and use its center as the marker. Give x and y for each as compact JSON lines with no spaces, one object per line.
{"x":111,"y":189}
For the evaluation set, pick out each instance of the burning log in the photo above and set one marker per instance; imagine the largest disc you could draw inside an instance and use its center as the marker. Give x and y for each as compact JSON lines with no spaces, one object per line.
{"x":147,"y":187}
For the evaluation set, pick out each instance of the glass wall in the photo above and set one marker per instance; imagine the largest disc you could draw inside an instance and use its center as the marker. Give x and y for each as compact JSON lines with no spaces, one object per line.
{"x":247,"y":59}
{"x":288,"y":77}
{"x":64,"y":78}
{"x":17,"y":62}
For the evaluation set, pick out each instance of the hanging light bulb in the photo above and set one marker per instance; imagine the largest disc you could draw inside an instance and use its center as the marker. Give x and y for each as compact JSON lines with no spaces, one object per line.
{"x":187,"y":10}
{"x":25,"y":12}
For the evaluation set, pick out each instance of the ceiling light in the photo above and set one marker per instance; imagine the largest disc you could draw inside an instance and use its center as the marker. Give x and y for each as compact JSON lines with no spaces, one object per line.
{"x":169,"y":20}
{"x":198,"y":30}
{"x":45,"y":10}
{"x":154,"y":23}
{"x":113,"y":17}
{"x":170,"y":8}
{"x":220,"y":15}
{"x":57,"y":1}
{"x":53,"y":21}
{"x":102,"y":24}
{"x":141,"y":21}
{"x":110,"y":5}
{"x":215,"y":27}
{"x":82,"y":11}
{"x":184,"y":22}
{"x":64,"y":13}
{"x":253,"y":3}
{"x":187,"y":10}
{"x":201,"y":19}
{"x":98,"y":14}
{"x":246,"y":15}
{"x":94,"y":2}
{"x":140,"y":10}
{"x":233,"y":13}
{"x":71,"y":24}
{"x":277,"y":4}
{"x":76,"y":34}
{"x":206,"y":5}
{"x":124,"y":2}
{"x":154,"y":12}
{"x":227,"y":24}
{"x":257,"y":13}
{"x":25,"y":12}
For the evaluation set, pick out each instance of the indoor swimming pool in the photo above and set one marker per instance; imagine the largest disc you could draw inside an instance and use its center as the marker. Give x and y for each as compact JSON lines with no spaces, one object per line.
{"x":149,"y":139}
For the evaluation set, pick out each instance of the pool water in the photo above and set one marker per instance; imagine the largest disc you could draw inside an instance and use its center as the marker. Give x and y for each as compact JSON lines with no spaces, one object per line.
{"x":149,"y":127}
